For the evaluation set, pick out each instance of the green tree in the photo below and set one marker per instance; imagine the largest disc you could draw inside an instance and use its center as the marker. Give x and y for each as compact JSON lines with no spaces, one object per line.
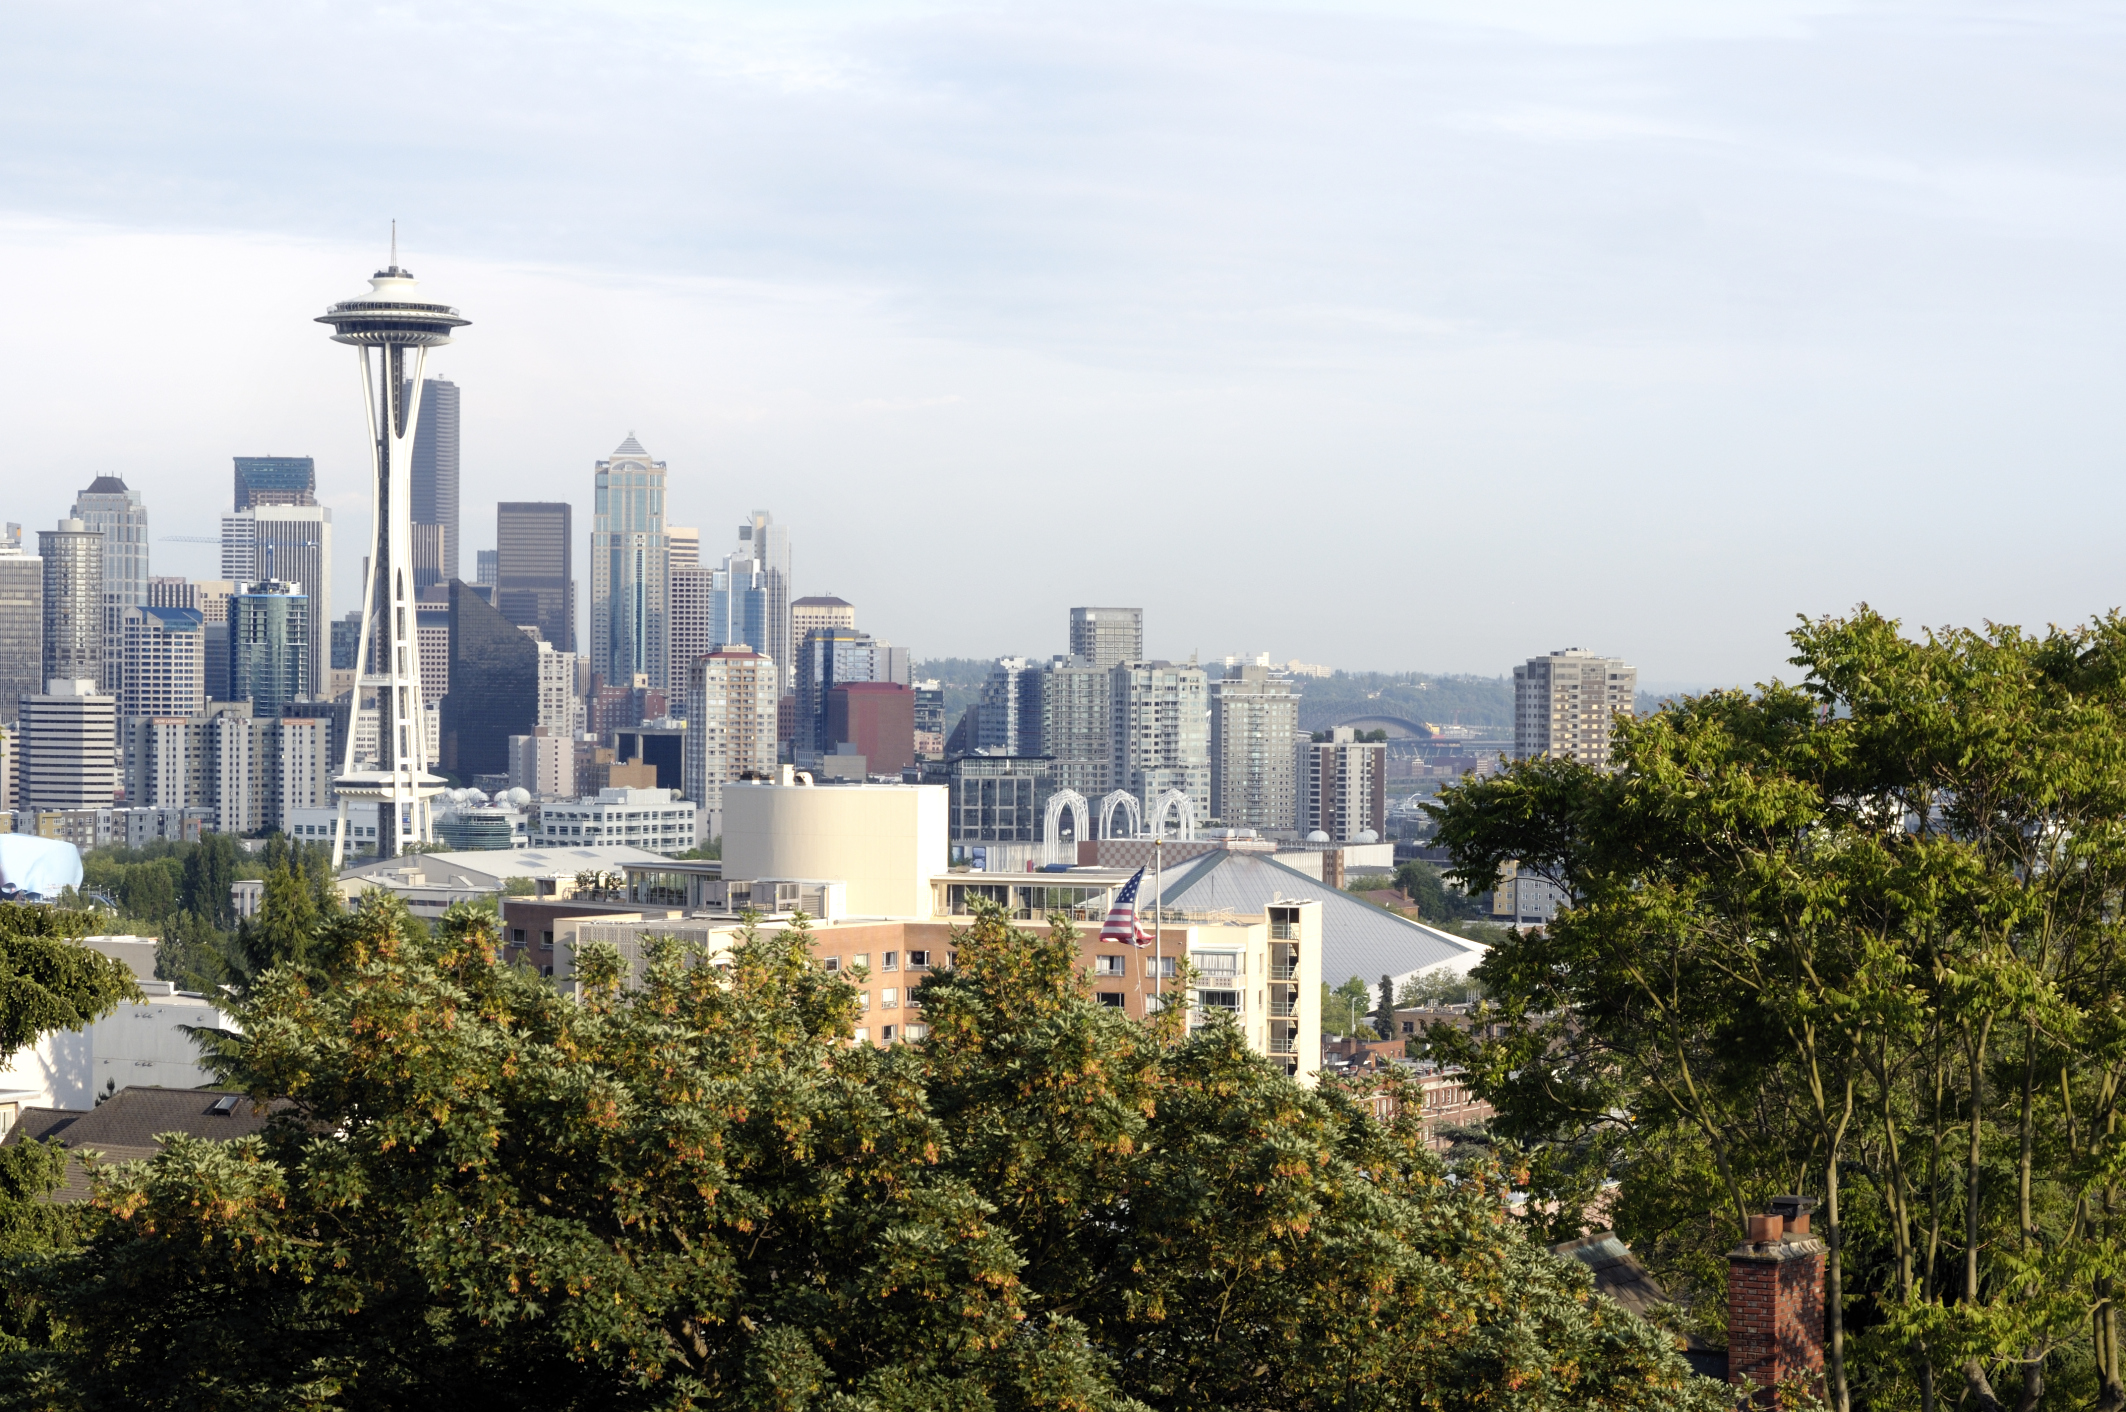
{"x":47,"y":981}
{"x":209,"y":870}
{"x":1436,"y":902}
{"x":1384,"y":1016}
{"x":1345,"y":1010}
{"x":1857,"y":937}
{"x":696,"y":1192}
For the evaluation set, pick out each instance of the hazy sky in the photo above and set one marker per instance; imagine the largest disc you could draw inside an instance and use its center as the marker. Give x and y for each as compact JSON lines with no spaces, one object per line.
{"x":1386,"y":335}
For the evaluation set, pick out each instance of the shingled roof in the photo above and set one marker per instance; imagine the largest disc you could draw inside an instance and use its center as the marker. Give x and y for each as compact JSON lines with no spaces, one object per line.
{"x":127,"y":1126}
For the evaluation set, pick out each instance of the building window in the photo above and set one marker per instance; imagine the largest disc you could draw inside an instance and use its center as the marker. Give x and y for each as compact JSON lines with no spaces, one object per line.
{"x":890,"y":961}
{"x":918,"y":960}
{"x":885,"y":1032}
{"x":1108,"y":965}
{"x":1109,"y":997}
{"x":1161,"y":967}
{"x":913,"y":1031}
{"x":861,"y":1035}
{"x":861,"y":958}
{"x":889,"y":999}
{"x":832,"y":964}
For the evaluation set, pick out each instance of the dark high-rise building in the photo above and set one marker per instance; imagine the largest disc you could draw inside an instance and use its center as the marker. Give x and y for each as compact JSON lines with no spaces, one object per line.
{"x":269,"y":646}
{"x":435,"y":468}
{"x":21,"y":626}
{"x":346,"y":638}
{"x":534,"y":568}
{"x":275,"y":480}
{"x":494,"y":687}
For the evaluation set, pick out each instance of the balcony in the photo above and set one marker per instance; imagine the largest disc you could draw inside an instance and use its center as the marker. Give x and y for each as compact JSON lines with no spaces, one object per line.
{"x":1284,"y":1009}
{"x":1284,"y":931}
{"x":1284,"y":970}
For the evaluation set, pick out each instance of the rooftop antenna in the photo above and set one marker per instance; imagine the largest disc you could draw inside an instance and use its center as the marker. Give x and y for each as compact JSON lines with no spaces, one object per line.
{"x":394,"y":242}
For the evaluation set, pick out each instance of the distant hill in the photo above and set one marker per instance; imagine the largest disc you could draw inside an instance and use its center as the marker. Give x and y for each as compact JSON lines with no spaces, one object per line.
{"x":1442,"y":700}
{"x":1416,"y":696}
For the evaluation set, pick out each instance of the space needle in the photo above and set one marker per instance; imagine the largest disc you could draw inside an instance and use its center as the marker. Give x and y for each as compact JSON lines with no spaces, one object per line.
{"x":399,"y":326}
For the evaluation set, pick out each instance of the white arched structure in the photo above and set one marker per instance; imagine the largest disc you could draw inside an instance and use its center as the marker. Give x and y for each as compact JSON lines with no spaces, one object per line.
{"x":1125,"y":801}
{"x":1172,"y":801}
{"x":1080,"y":824}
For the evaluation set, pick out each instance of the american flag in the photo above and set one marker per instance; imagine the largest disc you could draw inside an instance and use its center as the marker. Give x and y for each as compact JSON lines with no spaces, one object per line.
{"x":1122,"y":925}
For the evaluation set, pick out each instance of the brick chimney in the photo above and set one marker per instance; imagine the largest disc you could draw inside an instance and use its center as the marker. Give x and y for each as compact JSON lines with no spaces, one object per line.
{"x":1775,"y":1300}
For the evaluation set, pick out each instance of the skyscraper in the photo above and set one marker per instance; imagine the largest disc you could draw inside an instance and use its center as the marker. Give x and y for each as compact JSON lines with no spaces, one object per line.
{"x":1564,"y":704}
{"x":73,"y":603}
{"x":484,"y":567}
{"x":21,"y":627}
{"x":1254,"y":722}
{"x":435,"y":470}
{"x":119,"y":516}
{"x":293,"y":544}
{"x":164,"y":663}
{"x":1161,"y":733}
{"x":1009,"y":720}
{"x":1107,"y":636}
{"x":269,"y":648}
{"x":827,"y":658}
{"x":1076,"y":724}
{"x":494,"y":678}
{"x":1343,"y":790}
{"x":730,"y":711}
{"x":274,"y":480}
{"x":631,"y":573}
{"x":815,"y":611}
{"x":535,"y":585}
{"x":767,"y":546}
{"x":693,"y":620}
{"x":399,"y":326}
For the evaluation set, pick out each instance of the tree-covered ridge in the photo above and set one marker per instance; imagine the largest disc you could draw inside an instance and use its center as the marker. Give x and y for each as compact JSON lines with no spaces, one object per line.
{"x":701,"y":1194}
{"x":1861,"y":938}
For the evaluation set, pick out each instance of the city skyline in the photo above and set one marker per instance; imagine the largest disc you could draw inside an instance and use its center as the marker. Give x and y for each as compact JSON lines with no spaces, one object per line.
{"x":1598,"y":265}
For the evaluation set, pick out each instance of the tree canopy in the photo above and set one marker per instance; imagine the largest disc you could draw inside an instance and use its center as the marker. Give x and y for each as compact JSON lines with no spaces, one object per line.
{"x":698,"y":1192}
{"x":1858,"y":937}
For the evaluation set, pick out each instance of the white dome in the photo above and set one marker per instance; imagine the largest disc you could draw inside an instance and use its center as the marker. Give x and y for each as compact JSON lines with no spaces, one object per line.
{"x":1367,"y":836}
{"x":477,"y":796}
{"x":518,"y":796}
{"x":1317,"y":837}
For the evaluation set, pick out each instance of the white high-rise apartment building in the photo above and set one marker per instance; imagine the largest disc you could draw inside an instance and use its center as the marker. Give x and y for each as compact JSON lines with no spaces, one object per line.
{"x":1564,"y":704}
{"x":544,"y":763}
{"x":560,"y":707}
{"x":731,"y":700}
{"x":1254,"y":722}
{"x":164,"y":662}
{"x":69,"y":747}
{"x":1161,"y":733}
{"x":1076,"y":720}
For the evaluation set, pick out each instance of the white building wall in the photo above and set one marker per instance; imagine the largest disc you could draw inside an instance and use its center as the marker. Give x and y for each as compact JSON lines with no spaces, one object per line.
{"x":137,"y":1046}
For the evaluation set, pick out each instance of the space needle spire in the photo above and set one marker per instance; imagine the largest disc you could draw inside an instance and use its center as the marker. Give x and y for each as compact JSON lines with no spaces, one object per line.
{"x":391,"y":327}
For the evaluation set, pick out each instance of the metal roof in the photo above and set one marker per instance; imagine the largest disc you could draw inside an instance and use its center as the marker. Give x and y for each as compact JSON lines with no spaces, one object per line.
{"x":1357,"y":938}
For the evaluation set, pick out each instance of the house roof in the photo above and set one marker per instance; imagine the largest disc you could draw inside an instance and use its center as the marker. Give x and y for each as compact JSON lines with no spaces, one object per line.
{"x":128,"y":1126}
{"x":106,"y":485}
{"x":1357,"y":938}
{"x":630,"y":447}
{"x":1618,"y":1274}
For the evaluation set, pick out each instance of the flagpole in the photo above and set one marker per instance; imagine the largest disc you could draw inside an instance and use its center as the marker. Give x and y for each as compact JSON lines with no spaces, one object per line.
{"x":1159,"y":917}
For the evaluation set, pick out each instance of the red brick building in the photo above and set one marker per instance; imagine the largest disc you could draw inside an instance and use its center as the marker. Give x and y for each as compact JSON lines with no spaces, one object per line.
{"x":876,"y":717}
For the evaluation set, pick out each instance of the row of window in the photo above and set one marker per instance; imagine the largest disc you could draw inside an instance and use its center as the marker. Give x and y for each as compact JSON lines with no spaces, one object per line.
{"x":888,"y":961}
